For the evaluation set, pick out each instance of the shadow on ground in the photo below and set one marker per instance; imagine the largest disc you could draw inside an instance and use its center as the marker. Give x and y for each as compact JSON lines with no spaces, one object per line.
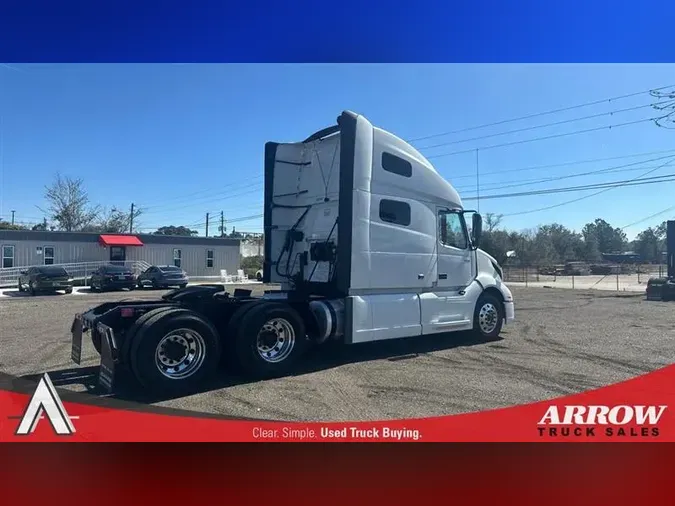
{"x":320,"y":358}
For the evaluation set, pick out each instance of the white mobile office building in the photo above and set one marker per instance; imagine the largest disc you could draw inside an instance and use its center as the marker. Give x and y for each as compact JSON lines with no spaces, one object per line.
{"x":198,"y":256}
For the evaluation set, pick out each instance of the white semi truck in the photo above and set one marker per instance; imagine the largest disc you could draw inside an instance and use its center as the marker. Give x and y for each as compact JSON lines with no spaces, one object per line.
{"x":367,"y":241}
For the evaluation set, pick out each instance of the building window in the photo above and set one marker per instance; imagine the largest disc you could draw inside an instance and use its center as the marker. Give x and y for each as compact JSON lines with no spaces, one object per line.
{"x":176,"y":257}
{"x":394,"y":211}
{"x":7,"y":257}
{"x":49,"y":255}
{"x":395,"y":165}
{"x":209,"y":258}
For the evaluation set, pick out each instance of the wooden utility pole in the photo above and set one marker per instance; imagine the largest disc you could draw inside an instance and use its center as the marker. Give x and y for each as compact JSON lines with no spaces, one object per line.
{"x":13,"y":217}
{"x":222,"y":224}
{"x":207,"y":224}
{"x":131,"y":219}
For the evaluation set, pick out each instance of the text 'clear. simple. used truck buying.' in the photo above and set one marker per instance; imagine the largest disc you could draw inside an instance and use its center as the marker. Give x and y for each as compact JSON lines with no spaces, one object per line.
{"x":367,"y":241}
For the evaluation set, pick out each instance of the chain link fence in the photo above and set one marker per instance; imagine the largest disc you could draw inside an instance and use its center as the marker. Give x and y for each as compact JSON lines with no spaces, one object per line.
{"x":583,"y":276}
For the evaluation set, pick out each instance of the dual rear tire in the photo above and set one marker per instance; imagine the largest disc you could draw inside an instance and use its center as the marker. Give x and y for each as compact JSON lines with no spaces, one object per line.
{"x":174,"y":351}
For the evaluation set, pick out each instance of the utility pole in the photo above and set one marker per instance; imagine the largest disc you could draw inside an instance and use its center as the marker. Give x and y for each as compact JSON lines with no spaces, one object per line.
{"x":207,"y":224}
{"x":13,"y":217}
{"x":222,"y":224}
{"x":131,"y":219}
{"x":477,"y":184}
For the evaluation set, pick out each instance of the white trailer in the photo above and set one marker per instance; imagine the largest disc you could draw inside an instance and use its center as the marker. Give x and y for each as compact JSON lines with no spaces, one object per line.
{"x":368,"y":243}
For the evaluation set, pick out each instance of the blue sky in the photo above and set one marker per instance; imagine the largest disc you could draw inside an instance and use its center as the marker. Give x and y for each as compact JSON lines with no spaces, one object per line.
{"x":183,"y":140}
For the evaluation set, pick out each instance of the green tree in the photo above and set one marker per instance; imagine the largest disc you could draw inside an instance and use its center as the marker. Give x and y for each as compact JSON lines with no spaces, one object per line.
{"x":648,"y":245}
{"x":6,"y":225}
{"x":174,"y":230}
{"x":607,"y":238}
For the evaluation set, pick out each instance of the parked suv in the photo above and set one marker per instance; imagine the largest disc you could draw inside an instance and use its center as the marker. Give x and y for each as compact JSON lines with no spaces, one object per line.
{"x":163,"y":276}
{"x":112,"y":277}
{"x":48,"y":278}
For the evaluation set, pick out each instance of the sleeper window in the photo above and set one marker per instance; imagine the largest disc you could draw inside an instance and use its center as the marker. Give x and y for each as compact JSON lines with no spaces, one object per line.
{"x":394,"y":211}
{"x":395,"y":165}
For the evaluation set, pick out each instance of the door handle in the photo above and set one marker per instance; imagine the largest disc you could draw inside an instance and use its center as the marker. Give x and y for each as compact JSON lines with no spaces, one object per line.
{"x":442,"y":276}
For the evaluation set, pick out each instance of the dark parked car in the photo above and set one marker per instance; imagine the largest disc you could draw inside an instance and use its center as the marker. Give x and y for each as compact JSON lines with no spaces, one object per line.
{"x":162,"y":276}
{"x":112,"y":277}
{"x":49,"y":278}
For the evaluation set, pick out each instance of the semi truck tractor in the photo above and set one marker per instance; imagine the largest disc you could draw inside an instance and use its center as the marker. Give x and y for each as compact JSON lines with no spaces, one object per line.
{"x":365,"y":239}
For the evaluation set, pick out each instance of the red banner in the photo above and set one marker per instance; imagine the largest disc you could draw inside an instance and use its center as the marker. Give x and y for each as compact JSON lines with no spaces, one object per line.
{"x":637,"y":410}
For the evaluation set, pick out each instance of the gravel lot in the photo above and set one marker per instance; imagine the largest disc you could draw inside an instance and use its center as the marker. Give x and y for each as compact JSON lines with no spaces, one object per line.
{"x":563,"y":342}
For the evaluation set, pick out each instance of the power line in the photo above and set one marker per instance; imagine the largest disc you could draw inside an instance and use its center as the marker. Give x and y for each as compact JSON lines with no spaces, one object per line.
{"x":555,"y":123}
{"x":544,"y":113}
{"x":555,"y":136}
{"x":617,"y":168}
{"x":672,"y":208}
{"x":219,"y":191}
{"x":585,"y":196}
{"x":565,"y":164}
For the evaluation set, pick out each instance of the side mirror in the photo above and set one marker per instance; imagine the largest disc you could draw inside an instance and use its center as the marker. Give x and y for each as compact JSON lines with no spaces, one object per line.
{"x":476,"y":229}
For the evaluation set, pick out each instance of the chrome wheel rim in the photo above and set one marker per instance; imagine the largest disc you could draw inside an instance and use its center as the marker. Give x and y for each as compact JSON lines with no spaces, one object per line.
{"x":180,"y":354}
{"x":488,"y":317}
{"x":276,"y":340}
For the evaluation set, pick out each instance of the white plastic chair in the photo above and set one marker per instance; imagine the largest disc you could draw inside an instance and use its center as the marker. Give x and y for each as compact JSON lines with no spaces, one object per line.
{"x":224,"y":277}
{"x":241,"y":276}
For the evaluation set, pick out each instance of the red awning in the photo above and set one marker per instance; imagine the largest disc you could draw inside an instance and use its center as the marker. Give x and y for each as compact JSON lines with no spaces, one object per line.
{"x":119,"y":240}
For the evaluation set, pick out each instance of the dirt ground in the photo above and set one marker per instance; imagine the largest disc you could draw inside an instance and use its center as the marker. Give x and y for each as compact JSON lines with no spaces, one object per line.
{"x":564,"y":341}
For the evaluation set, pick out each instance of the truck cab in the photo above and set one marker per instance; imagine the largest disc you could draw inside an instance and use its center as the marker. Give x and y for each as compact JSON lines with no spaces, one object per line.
{"x":356,"y":214}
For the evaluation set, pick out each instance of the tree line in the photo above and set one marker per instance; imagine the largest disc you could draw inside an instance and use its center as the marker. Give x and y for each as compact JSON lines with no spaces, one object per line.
{"x":556,"y":244}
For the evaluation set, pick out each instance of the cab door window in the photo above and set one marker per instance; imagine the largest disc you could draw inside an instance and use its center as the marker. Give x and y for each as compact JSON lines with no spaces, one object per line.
{"x":452,"y":230}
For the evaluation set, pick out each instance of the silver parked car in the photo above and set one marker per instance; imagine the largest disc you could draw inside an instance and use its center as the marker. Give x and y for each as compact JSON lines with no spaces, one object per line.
{"x":163,"y":276}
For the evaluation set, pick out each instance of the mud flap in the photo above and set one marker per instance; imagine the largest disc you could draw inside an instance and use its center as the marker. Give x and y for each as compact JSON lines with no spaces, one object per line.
{"x":106,"y":375}
{"x":76,"y":329}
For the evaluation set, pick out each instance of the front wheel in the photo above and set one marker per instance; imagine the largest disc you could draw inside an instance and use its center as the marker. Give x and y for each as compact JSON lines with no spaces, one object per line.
{"x":270,"y":339}
{"x":488,"y":317}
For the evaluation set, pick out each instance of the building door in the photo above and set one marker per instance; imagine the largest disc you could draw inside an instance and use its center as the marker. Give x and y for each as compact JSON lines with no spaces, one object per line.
{"x":118,"y":254}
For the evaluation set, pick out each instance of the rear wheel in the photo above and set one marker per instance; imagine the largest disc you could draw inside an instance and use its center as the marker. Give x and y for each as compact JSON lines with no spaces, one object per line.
{"x":174,"y":352}
{"x":68,"y":290}
{"x":488,"y":316}
{"x":270,"y":339}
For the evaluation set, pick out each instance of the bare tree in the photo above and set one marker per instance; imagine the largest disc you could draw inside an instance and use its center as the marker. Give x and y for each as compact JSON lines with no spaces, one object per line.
{"x":68,"y":204}
{"x":492,"y":221}
{"x":113,"y":221}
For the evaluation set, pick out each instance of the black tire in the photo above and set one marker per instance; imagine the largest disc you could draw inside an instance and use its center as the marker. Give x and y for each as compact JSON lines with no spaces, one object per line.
{"x":230,"y":358}
{"x":182,"y":286}
{"x":488,"y":308}
{"x":68,"y":291}
{"x":258,"y":276}
{"x":31,"y":289}
{"x":19,"y":287}
{"x":145,"y":341}
{"x":139,"y":285}
{"x":250,"y":359}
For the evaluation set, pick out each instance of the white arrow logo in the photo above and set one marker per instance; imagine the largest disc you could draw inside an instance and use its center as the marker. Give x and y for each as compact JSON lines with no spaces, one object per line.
{"x":46,"y":400}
